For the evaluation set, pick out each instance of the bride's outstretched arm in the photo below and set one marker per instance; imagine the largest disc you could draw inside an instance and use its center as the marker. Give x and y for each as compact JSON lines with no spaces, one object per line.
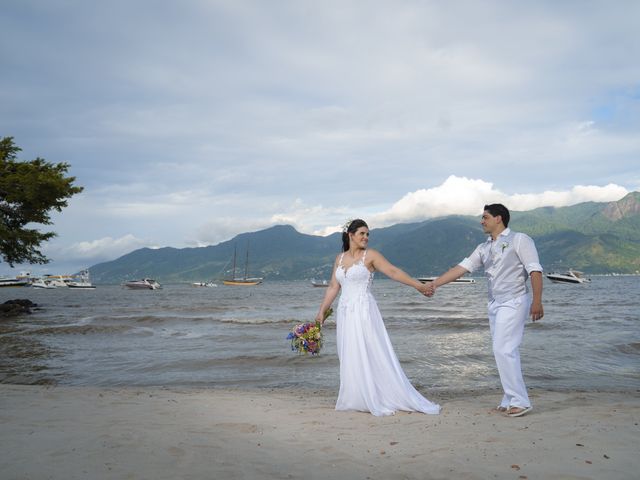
{"x":381,"y":264}
{"x":330,"y":295}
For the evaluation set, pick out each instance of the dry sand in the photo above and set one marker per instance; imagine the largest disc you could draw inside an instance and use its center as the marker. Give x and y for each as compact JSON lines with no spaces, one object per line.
{"x":156,"y":433}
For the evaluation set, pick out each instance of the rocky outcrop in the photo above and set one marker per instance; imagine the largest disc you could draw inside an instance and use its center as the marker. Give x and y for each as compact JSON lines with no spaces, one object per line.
{"x":625,"y":207}
{"x":12,"y":308}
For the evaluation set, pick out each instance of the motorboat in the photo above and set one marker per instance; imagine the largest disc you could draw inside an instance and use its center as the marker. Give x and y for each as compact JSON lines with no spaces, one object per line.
{"x":42,"y":283}
{"x":58,"y":280}
{"x":81,"y":285}
{"x":204,"y":284}
{"x":458,"y":281}
{"x":143,"y":284}
{"x":570,"y":276}
{"x":321,"y":283}
{"x":14,"y":282}
{"x":81,"y":281}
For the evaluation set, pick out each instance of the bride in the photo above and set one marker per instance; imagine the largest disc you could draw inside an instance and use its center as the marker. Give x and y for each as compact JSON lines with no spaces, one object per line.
{"x":371,"y":378}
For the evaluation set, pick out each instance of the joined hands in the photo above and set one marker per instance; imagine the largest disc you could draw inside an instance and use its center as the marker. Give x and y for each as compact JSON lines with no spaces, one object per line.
{"x":427,"y":289}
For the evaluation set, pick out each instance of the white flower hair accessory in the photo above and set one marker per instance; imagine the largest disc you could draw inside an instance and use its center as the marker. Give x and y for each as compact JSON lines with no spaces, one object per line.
{"x":345,"y":227}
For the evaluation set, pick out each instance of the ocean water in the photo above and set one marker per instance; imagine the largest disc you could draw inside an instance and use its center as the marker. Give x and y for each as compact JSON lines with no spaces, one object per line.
{"x":589,"y":338}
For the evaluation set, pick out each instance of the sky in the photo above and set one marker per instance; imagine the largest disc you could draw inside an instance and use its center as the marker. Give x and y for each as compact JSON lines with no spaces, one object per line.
{"x":190,"y":122}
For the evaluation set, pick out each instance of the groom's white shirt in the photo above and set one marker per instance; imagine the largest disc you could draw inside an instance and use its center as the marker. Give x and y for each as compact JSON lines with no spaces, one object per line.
{"x":507,"y":262}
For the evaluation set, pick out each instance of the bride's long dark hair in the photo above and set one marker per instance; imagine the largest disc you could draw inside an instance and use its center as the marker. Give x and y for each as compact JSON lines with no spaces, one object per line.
{"x":351,"y":228}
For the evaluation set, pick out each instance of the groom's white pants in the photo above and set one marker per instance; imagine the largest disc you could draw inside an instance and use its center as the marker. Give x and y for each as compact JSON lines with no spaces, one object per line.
{"x":506,"y":321}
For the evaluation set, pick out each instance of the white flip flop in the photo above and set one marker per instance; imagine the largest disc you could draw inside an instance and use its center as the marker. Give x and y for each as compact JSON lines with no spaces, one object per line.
{"x":522,"y":412}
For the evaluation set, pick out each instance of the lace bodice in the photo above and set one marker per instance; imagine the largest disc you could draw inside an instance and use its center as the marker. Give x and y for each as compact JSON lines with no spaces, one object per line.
{"x":355,"y":280}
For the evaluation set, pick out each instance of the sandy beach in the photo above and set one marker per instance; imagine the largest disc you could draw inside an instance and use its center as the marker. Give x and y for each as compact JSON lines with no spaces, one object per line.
{"x":155,"y":433}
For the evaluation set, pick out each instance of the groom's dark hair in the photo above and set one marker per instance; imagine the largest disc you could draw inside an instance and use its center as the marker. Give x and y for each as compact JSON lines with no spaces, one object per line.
{"x":496,"y":209}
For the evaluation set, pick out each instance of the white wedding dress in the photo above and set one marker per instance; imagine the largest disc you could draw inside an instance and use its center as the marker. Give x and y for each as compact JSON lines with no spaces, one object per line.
{"x":371,"y":378}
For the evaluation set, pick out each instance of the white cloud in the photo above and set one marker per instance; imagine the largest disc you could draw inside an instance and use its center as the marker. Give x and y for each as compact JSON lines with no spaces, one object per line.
{"x":311,"y":219}
{"x":577,"y":194}
{"x":323,"y":232}
{"x":94,"y":251}
{"x":455,"y":196}
{"x":464,"y":196}
{"x":223,"y":228}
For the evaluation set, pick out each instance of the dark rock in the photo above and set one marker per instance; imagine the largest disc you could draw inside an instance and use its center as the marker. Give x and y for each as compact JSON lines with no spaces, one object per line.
{"x":12,"y":308}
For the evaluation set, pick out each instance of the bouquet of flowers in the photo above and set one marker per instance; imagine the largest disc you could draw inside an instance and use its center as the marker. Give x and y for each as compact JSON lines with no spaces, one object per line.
{"x":307,"y":337}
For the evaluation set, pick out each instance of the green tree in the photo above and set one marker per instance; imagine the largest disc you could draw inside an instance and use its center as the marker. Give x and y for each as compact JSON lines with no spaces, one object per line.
{"x":29,"y":191}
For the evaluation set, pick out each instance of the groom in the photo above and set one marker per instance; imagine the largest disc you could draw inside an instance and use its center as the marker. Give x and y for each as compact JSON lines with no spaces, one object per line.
{"x":508,"y":259}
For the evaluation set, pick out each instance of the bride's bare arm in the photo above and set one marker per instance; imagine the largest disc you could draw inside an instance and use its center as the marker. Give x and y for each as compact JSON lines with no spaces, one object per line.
{"x":381,"y":264}
{"x":331,"y":293}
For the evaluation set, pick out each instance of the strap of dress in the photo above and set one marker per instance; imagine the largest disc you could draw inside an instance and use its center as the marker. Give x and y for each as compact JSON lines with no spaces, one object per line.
{"x":340,"y":261}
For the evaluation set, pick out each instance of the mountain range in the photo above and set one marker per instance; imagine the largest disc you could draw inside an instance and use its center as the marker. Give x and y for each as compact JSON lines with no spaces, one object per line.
{"x":592,"y":237}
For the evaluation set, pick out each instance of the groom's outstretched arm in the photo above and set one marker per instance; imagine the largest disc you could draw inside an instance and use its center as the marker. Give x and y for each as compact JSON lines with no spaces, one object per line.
{"x":468,"y":265}
{"x":449,"y":276}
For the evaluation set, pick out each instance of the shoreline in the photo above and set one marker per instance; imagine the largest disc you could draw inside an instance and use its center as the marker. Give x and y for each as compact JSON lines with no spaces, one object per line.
{"x":66,"y":432}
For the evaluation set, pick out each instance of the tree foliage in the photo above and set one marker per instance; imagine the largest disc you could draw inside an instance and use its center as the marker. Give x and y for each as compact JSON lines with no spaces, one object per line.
{"x":29,"y":192}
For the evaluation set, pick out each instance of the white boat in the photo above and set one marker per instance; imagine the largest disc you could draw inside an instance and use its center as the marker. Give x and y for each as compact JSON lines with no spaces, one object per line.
{"x":14,"y":282}
{"x":81,"y":281}
{"x":570,"y":276}
{"x":458,"y":281}
{"x":143,"y":284}
{"x":25,"y":276}
{"x":58,"y":280}
{"x":321,"y":283}
{"x":204,"y":284}
{"x":42,"y":283}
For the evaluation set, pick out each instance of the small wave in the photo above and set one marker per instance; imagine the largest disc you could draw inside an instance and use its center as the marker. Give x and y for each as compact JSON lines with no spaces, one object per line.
{"x":629,"y":348}
{"x":408,"y":303}
{"x":459,"y":323}
{"x":259,"y":321}
{"x":160,"y":320}
{"x":180,"y":334}
{"x":541,"y":377}
{"x":168,"y":319}
{"x":207,"y":308}
{"x":81,"y":329}
{"x":156,"y":321}
{"x":87,"y":320}
{"x":238,"y":362}
{"x":149,"y":319}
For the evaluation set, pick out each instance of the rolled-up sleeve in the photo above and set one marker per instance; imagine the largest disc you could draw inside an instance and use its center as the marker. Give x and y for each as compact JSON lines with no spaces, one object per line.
{"x":528,"y":254}
{"x":473,"y":262}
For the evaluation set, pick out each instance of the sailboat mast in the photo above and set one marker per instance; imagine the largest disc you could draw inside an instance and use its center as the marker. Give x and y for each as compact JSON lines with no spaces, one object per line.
{"x":235,"y":248}
{"x":246,"y":263}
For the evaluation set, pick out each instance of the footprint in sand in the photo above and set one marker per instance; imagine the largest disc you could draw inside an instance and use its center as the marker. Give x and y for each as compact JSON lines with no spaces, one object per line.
{"x":176,"y":451}
{"x":239,"y":427}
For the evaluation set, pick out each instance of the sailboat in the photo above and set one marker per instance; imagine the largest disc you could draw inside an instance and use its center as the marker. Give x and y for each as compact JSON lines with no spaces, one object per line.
{"x":244,"y":281}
